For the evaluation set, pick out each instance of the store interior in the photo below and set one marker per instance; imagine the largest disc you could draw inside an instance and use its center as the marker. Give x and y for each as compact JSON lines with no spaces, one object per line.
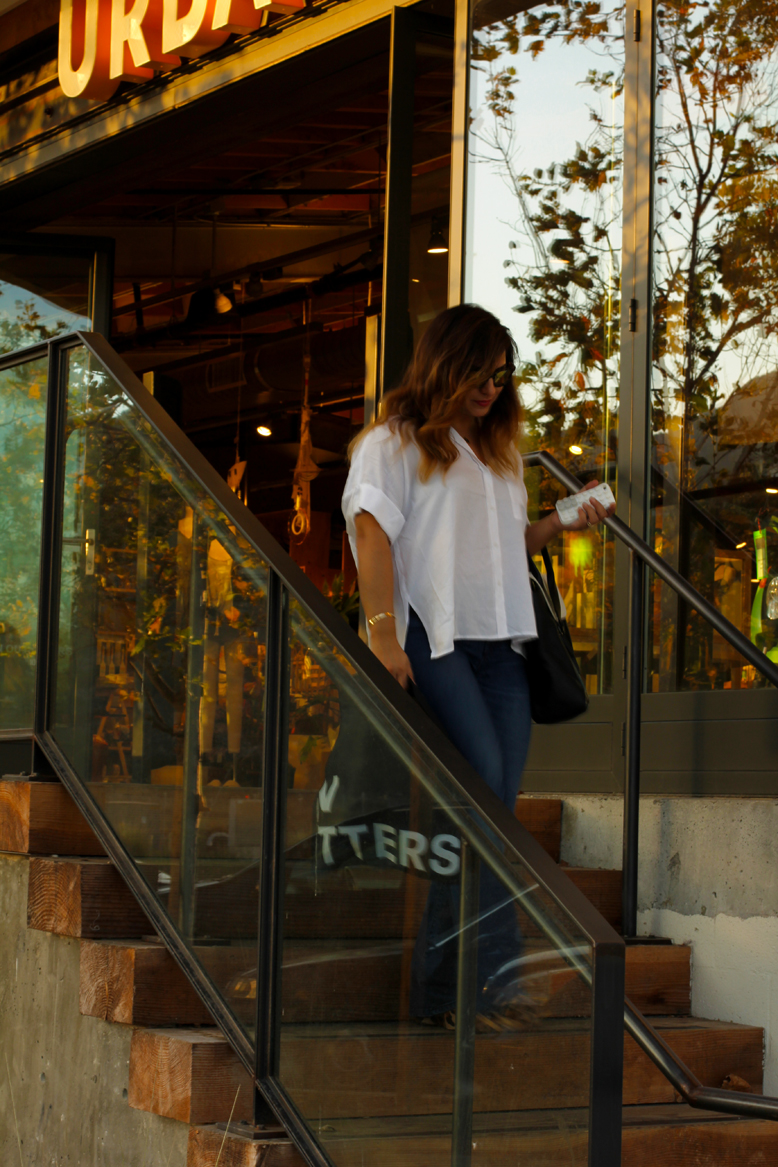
{"x":244,"y":275}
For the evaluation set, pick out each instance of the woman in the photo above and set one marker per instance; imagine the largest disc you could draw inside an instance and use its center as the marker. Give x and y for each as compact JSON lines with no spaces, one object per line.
{"x":436,"y":510}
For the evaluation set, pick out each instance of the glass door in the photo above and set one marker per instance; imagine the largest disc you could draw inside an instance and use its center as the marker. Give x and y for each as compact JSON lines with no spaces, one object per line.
{"x":543,"y":251}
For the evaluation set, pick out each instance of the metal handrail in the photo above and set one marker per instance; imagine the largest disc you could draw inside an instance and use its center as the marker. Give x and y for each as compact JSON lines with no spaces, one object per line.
{"x":673,"y":578}
{"x":653,"y":1045}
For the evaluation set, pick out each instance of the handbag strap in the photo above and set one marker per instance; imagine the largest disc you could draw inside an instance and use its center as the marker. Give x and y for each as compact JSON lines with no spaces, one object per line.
{"x":553,"y":590}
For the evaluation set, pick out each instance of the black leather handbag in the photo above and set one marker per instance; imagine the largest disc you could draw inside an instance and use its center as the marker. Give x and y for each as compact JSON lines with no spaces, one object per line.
{"x":556,"y":688}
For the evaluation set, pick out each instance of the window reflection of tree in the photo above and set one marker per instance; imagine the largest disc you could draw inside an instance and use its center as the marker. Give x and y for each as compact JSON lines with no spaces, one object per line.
{"x":715,"y":366}
{"x":714,"y":406}
{"x":564,"y":261}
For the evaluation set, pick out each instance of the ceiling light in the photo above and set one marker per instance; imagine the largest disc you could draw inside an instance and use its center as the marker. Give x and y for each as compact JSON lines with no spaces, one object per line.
{"x":221,"y":302}
{"x":576,"y":450}
{"x":264,"y":431}
{"x":739,"y":546}
{"x":437,"y":244}
{"x":771,"y":490}
{"x":414,"y":280}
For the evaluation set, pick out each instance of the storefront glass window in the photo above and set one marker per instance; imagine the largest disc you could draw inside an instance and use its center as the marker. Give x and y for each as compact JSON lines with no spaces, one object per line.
{"x":42,"y":296}
{"x":22,"y":432}
{"x":544,"y":254}
{"x":714,"y":392}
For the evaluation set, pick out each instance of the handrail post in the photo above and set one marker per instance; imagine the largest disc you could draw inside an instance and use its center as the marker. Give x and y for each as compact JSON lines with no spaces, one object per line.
{"x":271,"y":861}
{"x":467,"y":989}
{"x":629,"y":886}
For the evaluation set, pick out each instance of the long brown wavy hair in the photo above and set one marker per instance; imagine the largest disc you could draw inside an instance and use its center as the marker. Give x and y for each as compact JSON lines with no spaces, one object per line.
{"x":458,"y":352}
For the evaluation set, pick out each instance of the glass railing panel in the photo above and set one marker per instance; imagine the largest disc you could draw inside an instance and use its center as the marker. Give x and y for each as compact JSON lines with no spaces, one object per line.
{"x":22,"y":435}
{"x":158,"y":700}
{"x":371,"y":919}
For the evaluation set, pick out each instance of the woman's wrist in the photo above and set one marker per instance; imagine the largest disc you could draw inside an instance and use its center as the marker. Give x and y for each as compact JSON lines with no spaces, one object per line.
{"x":384,"y":630}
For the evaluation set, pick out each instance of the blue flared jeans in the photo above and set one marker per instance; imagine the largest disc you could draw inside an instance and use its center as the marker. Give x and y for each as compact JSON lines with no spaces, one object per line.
{"x":479,"y":694}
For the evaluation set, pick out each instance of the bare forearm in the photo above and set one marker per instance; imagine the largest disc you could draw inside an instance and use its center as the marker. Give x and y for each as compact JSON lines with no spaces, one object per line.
{"x":376,"y":591}
{"x":542,"y":532}
{"x":376,"y":570}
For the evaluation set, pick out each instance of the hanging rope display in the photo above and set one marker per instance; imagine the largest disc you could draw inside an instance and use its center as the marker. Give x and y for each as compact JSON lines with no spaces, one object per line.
{"x":306,"y":469}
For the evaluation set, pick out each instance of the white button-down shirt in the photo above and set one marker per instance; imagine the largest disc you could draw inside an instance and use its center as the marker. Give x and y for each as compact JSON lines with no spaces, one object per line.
{"x":458,"y":540}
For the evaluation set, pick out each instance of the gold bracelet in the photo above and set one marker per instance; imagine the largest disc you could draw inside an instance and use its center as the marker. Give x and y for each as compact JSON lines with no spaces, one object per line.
{"x":380,"y":616}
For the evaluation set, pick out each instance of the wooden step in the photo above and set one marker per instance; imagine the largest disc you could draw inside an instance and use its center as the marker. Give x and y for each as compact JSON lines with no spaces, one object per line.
{"x":188,"y":1074}
{"x":602,"y":887}
{"x":360,"y":981}
{"x":210,"y":1146}
{"x":335,"y":907}
{"x":83,"y":898}
{"x":139,"y":983}
{"x":40,"y":818}
{"x":136,"y":982}
{"x":673,"y":1135}
{"x":371,"y":1071}
{"x":344,"y":1071}
{"x":543,"y":819}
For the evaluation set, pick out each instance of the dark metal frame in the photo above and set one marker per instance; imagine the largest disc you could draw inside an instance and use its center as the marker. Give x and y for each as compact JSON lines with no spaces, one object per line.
{"x":261,"y":1058}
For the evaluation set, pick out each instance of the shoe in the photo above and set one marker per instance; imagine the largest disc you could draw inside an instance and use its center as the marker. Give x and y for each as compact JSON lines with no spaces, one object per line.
{"x":520,"y":1013}
{"x":439,"y":1020}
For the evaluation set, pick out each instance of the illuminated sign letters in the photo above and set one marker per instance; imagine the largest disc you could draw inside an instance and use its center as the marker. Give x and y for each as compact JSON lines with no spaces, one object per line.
{"x":103,"y":42}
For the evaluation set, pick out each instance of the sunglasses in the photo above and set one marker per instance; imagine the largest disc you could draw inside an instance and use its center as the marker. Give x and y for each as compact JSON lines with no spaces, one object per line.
{"x":500,"y":377}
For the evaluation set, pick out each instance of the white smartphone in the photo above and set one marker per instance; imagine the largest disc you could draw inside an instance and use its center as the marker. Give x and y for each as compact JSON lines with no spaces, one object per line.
{"x":567,"y":508}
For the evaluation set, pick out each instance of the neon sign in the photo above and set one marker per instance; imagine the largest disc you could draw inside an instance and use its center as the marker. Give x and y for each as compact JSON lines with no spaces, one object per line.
{"x":103,"y":42}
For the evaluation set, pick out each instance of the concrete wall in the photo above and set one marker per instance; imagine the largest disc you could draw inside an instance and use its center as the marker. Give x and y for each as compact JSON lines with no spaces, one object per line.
{"x":63,"y":1077}
{"x":708,"y":877}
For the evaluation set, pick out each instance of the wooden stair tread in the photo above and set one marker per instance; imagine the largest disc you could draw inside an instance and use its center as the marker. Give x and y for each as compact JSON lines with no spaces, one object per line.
{"x":340,"y":909}
{"x":670,"y":1134}
{"x":382,"y":1070}
{"x":209,"y":1146}
{"x":135,"y":982}
{"x":82,"y":897}
{"x":139,"y":983}
{"x":188,"y":1074}
{"x":40,"y":817}
{"x":543,"y":819}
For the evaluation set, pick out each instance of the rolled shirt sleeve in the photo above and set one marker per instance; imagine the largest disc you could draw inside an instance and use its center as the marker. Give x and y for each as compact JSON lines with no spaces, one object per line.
{"x":377,"y":483}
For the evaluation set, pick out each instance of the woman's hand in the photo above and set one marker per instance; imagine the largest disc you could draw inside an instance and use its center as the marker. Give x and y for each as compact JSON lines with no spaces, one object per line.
{"x":591,"y":513}
{"x":544,"y":530}
{"x":384,"y":643}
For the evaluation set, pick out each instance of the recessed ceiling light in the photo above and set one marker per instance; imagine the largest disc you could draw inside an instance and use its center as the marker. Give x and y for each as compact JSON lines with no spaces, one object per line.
{"x":576,"y":450}
{"x":771,"y":490}
{"x":739,"y":545}
{"x":264,"y":431}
